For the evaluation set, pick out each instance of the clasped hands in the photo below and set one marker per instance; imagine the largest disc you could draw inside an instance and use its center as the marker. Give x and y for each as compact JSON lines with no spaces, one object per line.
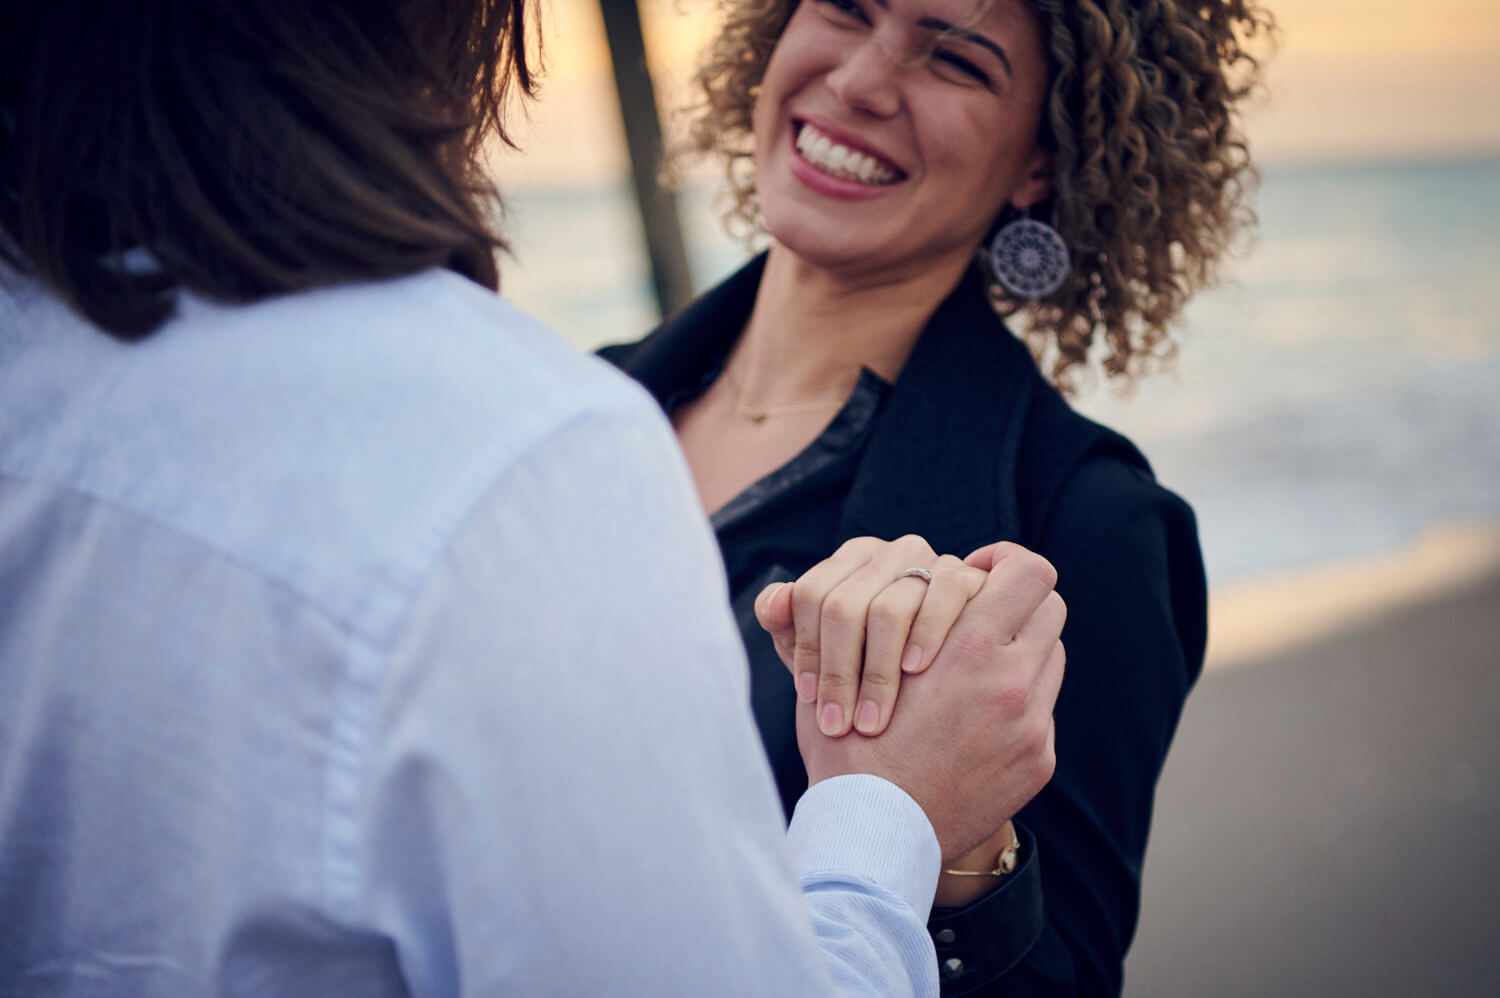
{"x":974,"y":657}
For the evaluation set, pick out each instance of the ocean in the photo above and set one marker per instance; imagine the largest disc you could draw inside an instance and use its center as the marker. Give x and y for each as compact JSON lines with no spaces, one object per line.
{"x":1338,"y":396}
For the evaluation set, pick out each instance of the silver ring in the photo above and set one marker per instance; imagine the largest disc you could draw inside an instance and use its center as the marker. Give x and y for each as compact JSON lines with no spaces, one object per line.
{"x":915,"y":573}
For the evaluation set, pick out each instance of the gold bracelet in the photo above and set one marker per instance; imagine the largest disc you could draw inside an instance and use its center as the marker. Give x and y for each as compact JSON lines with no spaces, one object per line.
{"x":1006,"y":863}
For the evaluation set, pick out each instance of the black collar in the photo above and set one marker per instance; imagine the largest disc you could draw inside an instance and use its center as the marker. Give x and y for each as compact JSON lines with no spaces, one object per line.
{"x":942,"y":460}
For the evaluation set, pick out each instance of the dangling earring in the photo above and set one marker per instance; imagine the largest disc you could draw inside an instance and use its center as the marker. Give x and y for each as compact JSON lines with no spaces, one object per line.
{"x":1029,"y":258}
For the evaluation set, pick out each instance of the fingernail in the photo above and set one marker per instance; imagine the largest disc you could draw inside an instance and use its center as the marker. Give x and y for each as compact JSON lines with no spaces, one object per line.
{"x":869,"y":716}
{"x":807,"y":687}
{"x":767,"y":594}
{"x":832,"y":720}
{"x":912,"y":659}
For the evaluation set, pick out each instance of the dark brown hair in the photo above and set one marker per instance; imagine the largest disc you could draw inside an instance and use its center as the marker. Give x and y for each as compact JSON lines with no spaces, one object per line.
{"x":251,"y":149}
{"x":1150,"y":170}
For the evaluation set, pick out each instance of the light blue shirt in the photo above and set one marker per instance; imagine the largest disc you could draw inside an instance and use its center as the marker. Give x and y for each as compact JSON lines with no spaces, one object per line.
{"x":371,"y":642}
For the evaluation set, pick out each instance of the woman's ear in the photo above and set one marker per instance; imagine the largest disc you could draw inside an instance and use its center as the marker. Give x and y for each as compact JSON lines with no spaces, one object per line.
{"x":1038,"y":183}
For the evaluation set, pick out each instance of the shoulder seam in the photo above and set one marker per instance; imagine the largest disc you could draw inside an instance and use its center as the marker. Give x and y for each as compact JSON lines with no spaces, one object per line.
{"x":218,"y":551}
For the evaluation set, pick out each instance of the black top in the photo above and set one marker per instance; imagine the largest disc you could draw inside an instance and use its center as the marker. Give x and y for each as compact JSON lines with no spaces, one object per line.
{"x":971,"y":446}
{"x":773,"y":531}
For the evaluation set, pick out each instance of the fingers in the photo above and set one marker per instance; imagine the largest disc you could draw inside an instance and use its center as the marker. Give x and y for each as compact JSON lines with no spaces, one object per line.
{"x":808,"y":595}
{"x":1017,"y":584}
{"x":1047,"y":687}
{"x":1038,"y":661}
{"x":953,"y":585}
{"x":773,"y":610}
{"x":1049,"y":681}
{"x":1044,"y":627}
{"x":887,"y":628}
{"x":1039,"y":641}
{"x":907,"y":623}
{"x":850,"y":627}
{"x":985,"y":558}
{"x":845,"y":616}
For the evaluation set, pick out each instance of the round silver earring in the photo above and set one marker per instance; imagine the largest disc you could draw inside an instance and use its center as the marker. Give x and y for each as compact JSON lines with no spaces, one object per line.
{"x":1029,"y":258}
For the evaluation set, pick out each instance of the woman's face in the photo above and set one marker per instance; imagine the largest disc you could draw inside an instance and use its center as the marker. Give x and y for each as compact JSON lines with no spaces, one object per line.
{"x":889,"y":134}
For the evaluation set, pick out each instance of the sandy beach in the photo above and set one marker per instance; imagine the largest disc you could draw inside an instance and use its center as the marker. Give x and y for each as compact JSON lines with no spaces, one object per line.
{"x":1324,"y":826}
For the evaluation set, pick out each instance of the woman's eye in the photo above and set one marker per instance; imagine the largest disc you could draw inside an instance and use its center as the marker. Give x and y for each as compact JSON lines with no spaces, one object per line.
{"x":954,"y":66}
{"x":843,"y":11}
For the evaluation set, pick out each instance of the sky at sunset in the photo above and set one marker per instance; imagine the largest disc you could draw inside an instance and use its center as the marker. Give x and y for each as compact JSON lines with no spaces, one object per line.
{"x":1373,"y":80}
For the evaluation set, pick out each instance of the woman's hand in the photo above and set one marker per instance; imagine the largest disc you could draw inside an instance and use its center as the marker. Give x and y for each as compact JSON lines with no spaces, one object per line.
{"x":850,"y":626}
{"x":973,"y":740}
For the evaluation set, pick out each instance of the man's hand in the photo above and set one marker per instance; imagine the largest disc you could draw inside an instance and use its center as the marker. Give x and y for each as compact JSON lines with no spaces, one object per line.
{"x":971,"y":739}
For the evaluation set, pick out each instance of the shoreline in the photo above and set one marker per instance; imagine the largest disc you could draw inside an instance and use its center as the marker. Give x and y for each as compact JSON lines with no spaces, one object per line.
{"x":1255,"y":619}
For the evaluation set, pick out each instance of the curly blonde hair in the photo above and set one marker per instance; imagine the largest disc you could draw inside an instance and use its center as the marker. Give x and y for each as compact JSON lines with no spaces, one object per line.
{"x":1151,"y":174}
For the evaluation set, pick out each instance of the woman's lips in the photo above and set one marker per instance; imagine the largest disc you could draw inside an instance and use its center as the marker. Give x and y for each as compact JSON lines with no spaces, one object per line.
{"x":834,"y":164}
{"x":837,"y":156}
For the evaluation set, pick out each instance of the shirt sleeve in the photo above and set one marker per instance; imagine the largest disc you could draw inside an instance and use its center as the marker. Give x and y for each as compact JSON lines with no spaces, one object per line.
{"x":1129,"y":566}
{"x":564,"y":789}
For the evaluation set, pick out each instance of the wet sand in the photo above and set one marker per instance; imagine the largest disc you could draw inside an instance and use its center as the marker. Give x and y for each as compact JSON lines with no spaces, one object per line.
{"x":1328,"y":822}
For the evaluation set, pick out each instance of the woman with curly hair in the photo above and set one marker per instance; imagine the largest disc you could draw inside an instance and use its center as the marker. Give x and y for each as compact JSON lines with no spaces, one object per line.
{"x":924,"y":168}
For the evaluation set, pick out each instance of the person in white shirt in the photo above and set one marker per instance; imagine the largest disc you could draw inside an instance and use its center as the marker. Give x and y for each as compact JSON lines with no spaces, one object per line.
{"x":356,"y":636}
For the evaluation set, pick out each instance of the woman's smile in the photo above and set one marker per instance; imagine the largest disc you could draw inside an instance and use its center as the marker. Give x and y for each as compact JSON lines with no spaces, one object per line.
{"x":836,"y":164}
{"x":841,"y":155}
{"x":872,"y":100}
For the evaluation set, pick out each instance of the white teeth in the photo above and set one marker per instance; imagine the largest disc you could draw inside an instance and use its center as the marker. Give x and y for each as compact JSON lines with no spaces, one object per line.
{"x":839,"y":160}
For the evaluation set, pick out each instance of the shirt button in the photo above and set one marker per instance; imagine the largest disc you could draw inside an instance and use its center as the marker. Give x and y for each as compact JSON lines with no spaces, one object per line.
{"x":945,"y":936}
{"x":953,"y":968}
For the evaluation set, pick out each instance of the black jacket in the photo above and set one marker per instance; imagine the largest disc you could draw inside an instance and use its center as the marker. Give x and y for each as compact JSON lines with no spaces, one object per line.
{"x":974,"y":446}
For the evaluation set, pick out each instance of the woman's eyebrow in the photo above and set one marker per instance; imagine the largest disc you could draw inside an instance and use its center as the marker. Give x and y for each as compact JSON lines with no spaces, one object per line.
{"x":939,"y":25}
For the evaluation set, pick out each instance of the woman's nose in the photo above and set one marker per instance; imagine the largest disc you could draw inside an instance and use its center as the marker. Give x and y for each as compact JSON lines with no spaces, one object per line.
{"x":867,"y":78}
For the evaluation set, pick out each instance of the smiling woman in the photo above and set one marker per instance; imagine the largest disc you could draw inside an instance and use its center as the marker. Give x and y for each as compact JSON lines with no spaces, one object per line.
{"x":923,"y":168}
{"x":1148,"y":166}
{"x":911,"y":91}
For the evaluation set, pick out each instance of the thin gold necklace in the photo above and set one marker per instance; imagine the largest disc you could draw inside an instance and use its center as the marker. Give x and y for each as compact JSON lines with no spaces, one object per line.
{"x":760,"y":413}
